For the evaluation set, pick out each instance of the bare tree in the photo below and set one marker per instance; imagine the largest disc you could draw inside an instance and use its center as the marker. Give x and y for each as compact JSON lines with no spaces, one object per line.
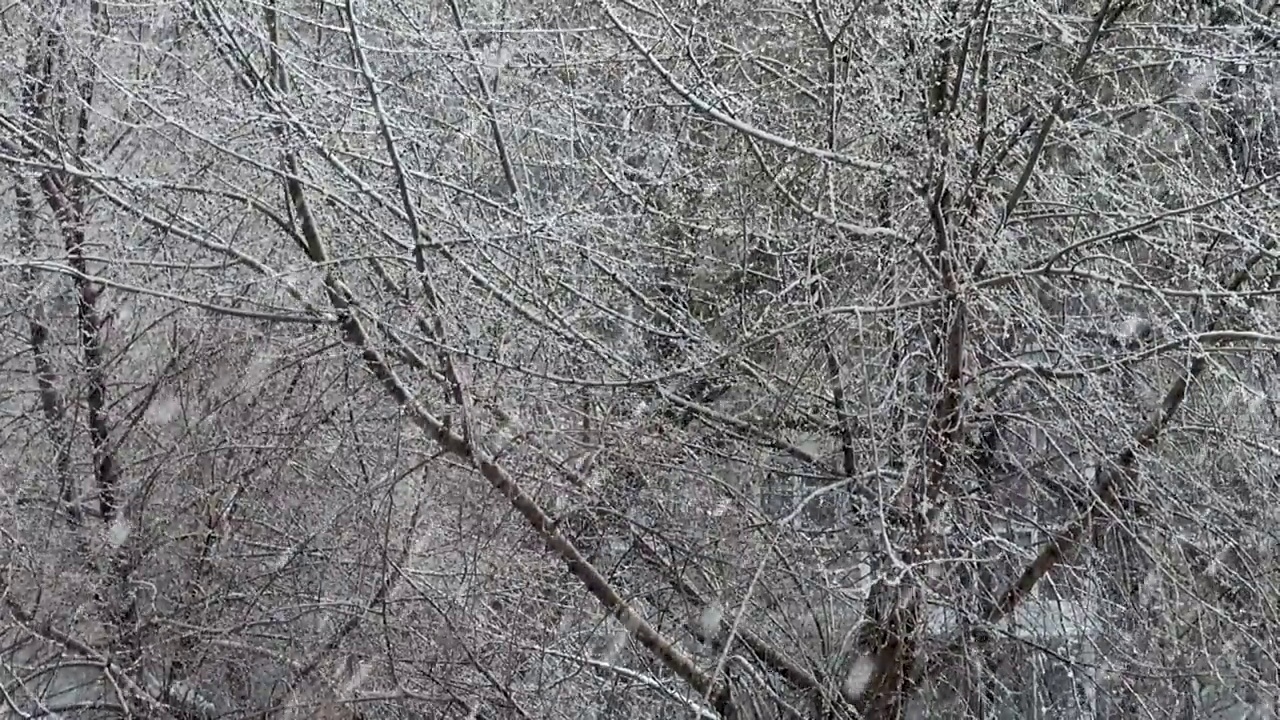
{"x":639,"y":359}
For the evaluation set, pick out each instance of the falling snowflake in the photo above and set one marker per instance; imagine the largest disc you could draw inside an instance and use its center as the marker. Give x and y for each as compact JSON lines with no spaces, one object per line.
{"x":118,"y":533}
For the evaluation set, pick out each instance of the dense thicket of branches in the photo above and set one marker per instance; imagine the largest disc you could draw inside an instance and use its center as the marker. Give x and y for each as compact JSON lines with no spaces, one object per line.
{"x":639,"y":359}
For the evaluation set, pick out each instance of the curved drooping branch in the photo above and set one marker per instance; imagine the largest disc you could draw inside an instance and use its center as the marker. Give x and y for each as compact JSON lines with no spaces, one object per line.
{"x":355,"y":334}
{"x":739,"y":126}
